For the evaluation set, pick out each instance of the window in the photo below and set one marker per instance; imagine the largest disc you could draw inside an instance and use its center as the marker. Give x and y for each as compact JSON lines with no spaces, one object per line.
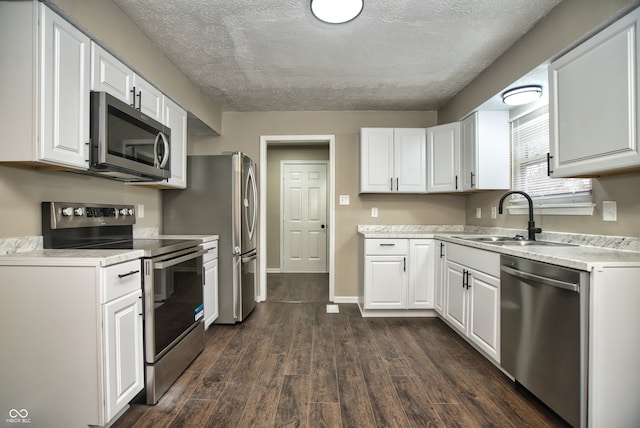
{"x":530,"y":145}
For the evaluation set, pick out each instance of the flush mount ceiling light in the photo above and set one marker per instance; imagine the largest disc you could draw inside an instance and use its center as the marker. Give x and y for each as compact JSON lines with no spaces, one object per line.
{"x":336,"y":11}
{"x":522,"y":95}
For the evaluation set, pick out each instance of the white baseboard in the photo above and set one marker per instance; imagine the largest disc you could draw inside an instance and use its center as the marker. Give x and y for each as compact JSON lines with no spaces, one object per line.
{"x":274,"y":270}
{"x":345,"y":299}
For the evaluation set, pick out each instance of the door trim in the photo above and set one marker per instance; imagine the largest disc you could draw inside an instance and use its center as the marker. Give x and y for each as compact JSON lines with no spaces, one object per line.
{"x":265,"y":140}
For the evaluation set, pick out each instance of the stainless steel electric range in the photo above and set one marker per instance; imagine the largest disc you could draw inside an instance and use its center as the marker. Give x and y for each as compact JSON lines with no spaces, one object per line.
{"x":172,"y":275}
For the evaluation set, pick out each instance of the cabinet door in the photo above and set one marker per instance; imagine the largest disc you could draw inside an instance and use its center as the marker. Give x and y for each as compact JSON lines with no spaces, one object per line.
{"x":468,"y":152}
{"x":148,"y":99}
{"x":484,"y":312}
{"x":108,"y":74}
{"x":376,"y":160}
{"x":210,"y":292}
{"x":456,"y":297}
{"x":593,"y":105}
{"x":123,"y":351}
{"x":421,"y":274}
{"x":64,"y":124}
{"x":175,"y":117}
{"x":443,"y":158}
{"x":385,"y":282}
{"x":410,"y":159}
{"x":440,"y":267}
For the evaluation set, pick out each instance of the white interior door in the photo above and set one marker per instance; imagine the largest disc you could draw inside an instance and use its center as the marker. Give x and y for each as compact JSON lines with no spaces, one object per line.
{"x":304,"y":216}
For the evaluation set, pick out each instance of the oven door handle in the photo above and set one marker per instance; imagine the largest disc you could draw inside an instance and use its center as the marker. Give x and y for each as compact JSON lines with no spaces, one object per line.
{"x":178,"y":260}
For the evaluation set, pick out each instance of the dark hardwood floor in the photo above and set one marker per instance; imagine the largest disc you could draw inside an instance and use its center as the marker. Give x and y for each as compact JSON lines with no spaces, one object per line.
{"x":294,"y":365}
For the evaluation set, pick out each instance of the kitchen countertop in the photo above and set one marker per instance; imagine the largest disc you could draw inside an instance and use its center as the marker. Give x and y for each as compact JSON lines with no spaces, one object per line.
{"x":70,"y":257}
{"x":28,"y":251}
{"x":577,"y":256}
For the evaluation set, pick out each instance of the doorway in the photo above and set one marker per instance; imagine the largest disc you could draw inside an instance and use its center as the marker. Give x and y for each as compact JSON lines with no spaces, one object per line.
{"x":266,"y":250}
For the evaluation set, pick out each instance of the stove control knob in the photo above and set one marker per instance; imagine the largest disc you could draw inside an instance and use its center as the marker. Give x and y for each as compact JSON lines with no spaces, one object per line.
{"x":78,"y":212}
{"x":67,"y":212}
{"x":126,"y":212}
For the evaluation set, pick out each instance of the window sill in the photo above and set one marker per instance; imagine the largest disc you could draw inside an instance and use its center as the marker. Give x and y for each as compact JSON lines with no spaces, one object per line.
{"x":582,"y":208}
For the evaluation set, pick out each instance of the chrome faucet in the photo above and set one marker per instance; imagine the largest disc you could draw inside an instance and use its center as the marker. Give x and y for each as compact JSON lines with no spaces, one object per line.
{"x":531,"y":226}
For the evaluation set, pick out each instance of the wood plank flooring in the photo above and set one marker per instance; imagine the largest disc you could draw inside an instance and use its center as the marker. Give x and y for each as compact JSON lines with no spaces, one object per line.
{"x":294,"y":365}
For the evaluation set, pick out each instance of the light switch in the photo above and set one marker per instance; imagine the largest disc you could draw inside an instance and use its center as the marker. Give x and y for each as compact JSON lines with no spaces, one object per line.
{"x":609,"y":211}
{"x":374,"y":212}
{"x":494,"y":212}
{"x":140,"y":211}
{"x":344,"y":199}
{"x":478,"y":212}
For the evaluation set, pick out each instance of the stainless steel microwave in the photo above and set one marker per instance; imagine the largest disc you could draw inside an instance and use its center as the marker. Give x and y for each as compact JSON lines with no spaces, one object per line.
{"x":126,"y":144}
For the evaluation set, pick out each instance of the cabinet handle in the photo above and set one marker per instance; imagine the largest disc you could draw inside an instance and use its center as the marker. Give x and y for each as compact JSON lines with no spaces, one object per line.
{"x":397,"y":188}
{"x":404,"y":262}
{"x":549,"y":170}
{"x":464,"y":276}
{"x":472,"y":183}
{"x":204,"y":277}
{"x":133,"y":272}
{"x":456,"y":182}
{"x":139,"y":100}
{"x":441,"y":249}
{"x":133,"y":97}
{"x":387,"y":245}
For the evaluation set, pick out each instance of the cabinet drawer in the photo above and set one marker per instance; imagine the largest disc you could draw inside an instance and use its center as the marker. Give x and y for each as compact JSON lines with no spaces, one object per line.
{"x":386,"y":246}
{"x":120,"y":280}
{"x":473,"y":258}
{"x":212,"y":246}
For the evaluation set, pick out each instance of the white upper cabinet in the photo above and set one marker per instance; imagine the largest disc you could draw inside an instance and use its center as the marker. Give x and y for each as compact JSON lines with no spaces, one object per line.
{"x":45,"y":100}
{"x":175,"y":117}
{"x":485,"y":151}
{"x":108,"y":74}
{"x":593,"y":103}
{"x":111,"y":75}
{"x":443,"y":156}
{"x":392,"y":160}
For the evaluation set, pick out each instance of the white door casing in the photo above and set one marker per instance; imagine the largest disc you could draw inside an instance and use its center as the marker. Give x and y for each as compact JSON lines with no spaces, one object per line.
{"x":303,"y":208}
{"x":265,"y":140}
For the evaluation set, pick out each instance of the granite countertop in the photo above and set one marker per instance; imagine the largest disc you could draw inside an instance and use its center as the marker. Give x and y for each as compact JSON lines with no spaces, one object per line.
{"x":70,"y":257}
{"x":586,"y":252}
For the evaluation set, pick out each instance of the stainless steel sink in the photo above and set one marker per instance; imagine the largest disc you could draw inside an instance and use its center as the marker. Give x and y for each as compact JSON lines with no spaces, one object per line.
{"x":512,"y":242}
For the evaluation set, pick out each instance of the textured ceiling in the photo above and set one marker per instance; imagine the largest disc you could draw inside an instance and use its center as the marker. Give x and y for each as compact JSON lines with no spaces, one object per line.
{"x":270,"y":55}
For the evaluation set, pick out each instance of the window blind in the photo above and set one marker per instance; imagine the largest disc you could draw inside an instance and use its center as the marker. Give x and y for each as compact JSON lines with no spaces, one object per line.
{"x":530,"y":145}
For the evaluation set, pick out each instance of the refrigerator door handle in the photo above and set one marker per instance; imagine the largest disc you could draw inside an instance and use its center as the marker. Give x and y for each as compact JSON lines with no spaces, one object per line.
{"x":250,"y":205}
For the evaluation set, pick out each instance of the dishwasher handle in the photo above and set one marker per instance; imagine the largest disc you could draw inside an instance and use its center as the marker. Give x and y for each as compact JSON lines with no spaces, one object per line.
{"x":571,"y":286}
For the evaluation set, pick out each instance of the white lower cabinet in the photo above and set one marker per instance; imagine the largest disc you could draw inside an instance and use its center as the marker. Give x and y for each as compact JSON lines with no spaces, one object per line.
{"x":440,"y":269}
{"x":123,"y":350}
{"x":472,"y":296}
{"x":210,"y":285}
{"x":398,"y":274}
{"x":90,"y":343}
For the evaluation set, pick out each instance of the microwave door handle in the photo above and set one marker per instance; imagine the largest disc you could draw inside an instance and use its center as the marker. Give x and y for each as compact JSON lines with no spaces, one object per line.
{"x":165,"y":144}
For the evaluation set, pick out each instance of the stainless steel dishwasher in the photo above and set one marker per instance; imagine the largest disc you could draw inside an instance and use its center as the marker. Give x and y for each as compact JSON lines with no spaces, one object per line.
{"x":543,"y":328}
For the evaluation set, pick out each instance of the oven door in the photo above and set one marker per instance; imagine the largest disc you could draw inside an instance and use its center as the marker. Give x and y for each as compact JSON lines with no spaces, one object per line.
{"x":173,"y":300}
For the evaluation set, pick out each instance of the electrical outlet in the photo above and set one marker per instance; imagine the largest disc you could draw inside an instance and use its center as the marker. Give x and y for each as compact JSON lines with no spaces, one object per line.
{"x":374,"y":212}
{"x":494,"y":212}
{"x":344,"y":199}
{"x":609,"y":211}
{"x":478,"y":212}
{"x":140,"y":211}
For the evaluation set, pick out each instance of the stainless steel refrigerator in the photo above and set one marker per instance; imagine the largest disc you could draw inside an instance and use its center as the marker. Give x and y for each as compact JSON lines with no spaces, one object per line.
{"x":221,"y":199}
